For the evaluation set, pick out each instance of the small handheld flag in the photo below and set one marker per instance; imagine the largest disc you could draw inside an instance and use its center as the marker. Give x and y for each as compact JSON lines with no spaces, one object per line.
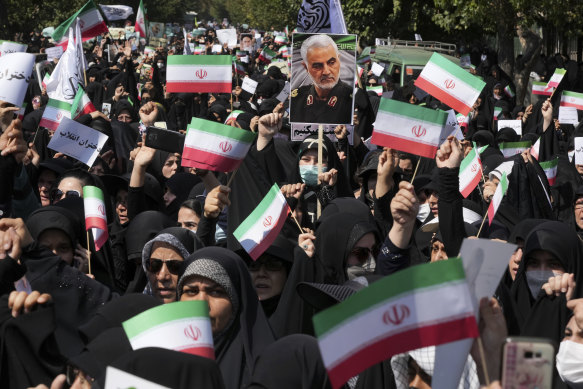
{"x":95,"y":216}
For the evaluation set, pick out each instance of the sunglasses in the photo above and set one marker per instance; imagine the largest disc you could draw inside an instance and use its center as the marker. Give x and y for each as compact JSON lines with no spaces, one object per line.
{"x":270,"y":265}
{"x":363,"y":253}
{"x":154,"y":265}
{"x":57,"y":194}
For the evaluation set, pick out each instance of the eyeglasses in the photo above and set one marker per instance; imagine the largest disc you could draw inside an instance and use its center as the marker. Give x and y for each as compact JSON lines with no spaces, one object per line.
{"x":270,"y":265}
{"x":363,"y":253}
{"x":73,"y":373}
{"x":154,"y":265}
{"x":57,"y":194}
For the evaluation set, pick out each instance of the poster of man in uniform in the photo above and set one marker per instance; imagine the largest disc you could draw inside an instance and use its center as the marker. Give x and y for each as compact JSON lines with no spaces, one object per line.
{"x":323,"y":75}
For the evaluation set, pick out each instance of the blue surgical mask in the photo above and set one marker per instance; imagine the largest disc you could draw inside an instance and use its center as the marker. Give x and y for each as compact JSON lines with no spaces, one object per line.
{"x":309,"y":174}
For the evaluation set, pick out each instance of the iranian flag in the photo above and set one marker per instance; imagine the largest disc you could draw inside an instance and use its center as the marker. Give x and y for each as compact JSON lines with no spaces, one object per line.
{"x":572,"y":99}
{"x":22,"y":110}
{"x":54,"y":112}
{"x":470,"y":172}
{"x":463,"y":120}
{"x":539,"y":88}
{"x":46,"y":79}
{"x":556,"y":78}
{"x":550,"y":168}
{"x":450,"y":83}
{"x":95,"y":218}
{"x":267,"y":55}
{"x":407,"y":127}
{"x":259,"y":230}
{"x":376,"y":89}
{"x":497,"y":198}
{"x":198,"y":50}
{"x":508,"y":91}
{"x":199,"y":74}
{"x":149,"y":51}
{"x":497,"y":112}
{"x":280,"y":39}
{"x":421,"y":306}
{"x":91,"y":23}
{"x":180,"y":326}
{"x":509,"y":149}
{"x":81,"y":104}
{"x":214,"y":146}
{"x":239,"y":68}
{"x":233,"y":115}
{"x":141,"y":25}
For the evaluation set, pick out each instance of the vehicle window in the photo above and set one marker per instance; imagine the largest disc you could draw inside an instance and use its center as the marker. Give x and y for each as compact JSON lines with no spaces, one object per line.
{"x":412,"y":72}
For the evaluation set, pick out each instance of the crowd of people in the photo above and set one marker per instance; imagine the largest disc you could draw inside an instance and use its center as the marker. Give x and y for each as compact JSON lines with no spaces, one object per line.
{"x":171,"y":227}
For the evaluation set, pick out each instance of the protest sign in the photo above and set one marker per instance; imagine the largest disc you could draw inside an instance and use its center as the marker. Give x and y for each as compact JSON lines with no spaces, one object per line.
{"x":7,"y":47}
{"x":284,"y":94}
{"x":323,"y":102}
{"x":15,"y":75}
{"x":228,"y":36}
{"x":579,"y":150}
{"x":299,"y":131}
{"x":516,"y":125}
{"x":377,"y":69}
{"x":54,"y":52}
{"x":77,"y":141}
{"x":249,"y":85}
{"x":568,"y":115}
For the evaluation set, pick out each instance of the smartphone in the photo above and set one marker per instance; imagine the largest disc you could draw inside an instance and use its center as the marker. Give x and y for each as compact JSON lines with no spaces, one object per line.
{"x":527,"y":363}
{"x":162,"y":139}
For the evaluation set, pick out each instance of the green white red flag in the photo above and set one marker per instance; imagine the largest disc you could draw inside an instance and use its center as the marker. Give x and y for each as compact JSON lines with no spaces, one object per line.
{"x":450,"y":83}
{"x":497,"y":112}
{"x":534,"y":150}
{"x":81,"y":104}
{"x":95,"y":217}
{"x":539,"y":88}
{"x":470,"y":172}
{"x":54,"y":112}
{"x":497,"y":198}
{"x":376,"y":89}
{"x":556,"y":78}
{"x":509,"y":149}
{"x":141,"y":25}
{"x":91,"y":23}
{"x":420,"y":306}
{"x":267,"y":55}
{"x":214,"y":146}
{"x":550,"y":168}
{"x":572,"y":99}
{"x":259,"y":230}
{"x":407,"y":127}
{"x":46,"y":79}
{"x":233,"y":115}
{"x":199,"y":74}
{"x":180,"y":326}
{"x":508,"y":91}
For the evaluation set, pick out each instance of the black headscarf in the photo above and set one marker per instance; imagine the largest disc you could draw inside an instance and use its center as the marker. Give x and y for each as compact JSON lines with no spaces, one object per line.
{"x":250,"y":333}
{"x":171,"y":369}
{"x":291,"y":362}
{"x":180,"y":184}
{"x":546,"y":316}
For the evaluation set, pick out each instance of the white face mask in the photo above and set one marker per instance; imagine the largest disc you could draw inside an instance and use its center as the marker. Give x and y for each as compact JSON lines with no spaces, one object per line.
{"x":570,"y":363}
{"x":537,"y":278}
{"x":424,"y":210}
{"x":367,"y":267}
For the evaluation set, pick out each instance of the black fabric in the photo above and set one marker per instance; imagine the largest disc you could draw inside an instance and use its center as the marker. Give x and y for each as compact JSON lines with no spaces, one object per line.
{"x":180,"y":185}
{"x":545,"y":316}
{"x":250,"y":333}
{"x":292,"y":362}
{"x":172,"y":369}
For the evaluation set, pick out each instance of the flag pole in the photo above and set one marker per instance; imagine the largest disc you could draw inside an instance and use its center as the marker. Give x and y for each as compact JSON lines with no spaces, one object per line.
{"x":483,"y":358}
{"x":415,"y":173}
{"x":88,"y":253}
{"x":320,"y":156}
{"x":232,"y":177}
{"x":297,"y":222}
{"x":482,"y":225}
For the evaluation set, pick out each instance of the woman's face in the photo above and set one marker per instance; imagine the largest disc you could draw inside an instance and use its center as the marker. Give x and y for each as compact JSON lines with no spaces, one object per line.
{"x":164,"y":265}
{"x":543,"y":260}
{"x":170,"y":166}
{"x":572,"y":332}
{"x":268,"y":275}
{"x":365,"y":244}
{"x":46,"y":180}
{"x":203,"y":289}
{"x":310,"y":157}
{"x":188,"y":219}
{"x":59,"y":243}
{"x":68,"y":186}
{"x":121,"y":203}
{"x":438,"y":251}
